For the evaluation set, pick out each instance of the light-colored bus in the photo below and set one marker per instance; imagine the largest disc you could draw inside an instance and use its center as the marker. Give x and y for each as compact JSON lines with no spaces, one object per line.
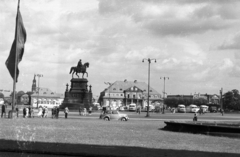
{"x":49,"y":103}
{"x":193,"y":108}
{"x":181,"y":108}
{"x":204,"y":108}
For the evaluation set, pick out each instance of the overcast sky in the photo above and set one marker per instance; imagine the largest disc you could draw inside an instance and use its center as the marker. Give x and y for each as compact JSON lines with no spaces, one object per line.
{"x":195,"y":43}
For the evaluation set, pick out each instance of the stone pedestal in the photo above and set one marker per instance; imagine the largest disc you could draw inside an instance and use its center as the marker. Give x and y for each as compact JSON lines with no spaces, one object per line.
{"x":79,"y":95}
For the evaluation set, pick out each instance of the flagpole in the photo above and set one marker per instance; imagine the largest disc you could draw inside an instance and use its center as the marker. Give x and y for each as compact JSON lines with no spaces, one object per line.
{"x":16,"y":62}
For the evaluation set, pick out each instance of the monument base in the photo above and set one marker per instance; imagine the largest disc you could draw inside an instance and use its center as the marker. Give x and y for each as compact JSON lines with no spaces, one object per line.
{"x":79,"y":95}
{"x":72,"y":106}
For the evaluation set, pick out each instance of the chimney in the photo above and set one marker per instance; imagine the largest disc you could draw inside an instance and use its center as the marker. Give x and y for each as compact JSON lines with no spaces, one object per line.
{"x":135,"y":81}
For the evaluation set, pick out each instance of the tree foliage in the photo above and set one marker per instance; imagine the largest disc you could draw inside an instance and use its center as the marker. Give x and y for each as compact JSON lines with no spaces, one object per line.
{"x":231,"y":100}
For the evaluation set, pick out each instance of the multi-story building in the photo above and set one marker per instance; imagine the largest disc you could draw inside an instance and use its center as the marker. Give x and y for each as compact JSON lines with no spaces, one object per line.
{"x":42,"y":96}
{"x":123,"y":93}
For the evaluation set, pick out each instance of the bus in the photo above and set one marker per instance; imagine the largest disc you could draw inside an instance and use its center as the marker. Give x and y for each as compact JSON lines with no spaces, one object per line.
{"x":204,"y":108}
{"x":181,"y":108}
{"x":49,"y":103}
{"x":193,"y":108}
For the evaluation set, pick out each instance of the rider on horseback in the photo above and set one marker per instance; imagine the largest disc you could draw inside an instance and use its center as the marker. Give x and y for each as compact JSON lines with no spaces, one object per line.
{"x":79,"y":66}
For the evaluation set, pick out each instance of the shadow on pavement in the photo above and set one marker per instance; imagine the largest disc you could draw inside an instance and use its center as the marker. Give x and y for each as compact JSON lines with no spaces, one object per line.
{"x":67,"y":149}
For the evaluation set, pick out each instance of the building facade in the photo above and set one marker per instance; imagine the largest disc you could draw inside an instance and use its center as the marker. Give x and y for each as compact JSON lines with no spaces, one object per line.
{"x":123,"y":93}
{"x":41,"y":97}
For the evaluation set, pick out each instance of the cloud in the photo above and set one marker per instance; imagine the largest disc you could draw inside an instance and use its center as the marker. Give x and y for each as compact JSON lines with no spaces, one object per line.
{"x":232,"y":42}
{"x":171,"y":18}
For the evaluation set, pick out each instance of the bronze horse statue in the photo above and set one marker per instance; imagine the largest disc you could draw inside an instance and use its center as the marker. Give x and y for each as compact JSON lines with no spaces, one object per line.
{"x":83,"y":70}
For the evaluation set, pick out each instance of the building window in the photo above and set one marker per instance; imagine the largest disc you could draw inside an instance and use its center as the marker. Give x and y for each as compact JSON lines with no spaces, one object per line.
{"x":114,"y":88}
{"x":120,"y":89}
{"x":133,"y":96}
{"x":121,"y":94}
{"x":150,"y":90}
{"x":128,"y":96}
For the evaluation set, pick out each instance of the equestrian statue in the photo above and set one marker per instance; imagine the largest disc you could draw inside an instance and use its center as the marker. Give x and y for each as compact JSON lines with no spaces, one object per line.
{"x":80,"y":68}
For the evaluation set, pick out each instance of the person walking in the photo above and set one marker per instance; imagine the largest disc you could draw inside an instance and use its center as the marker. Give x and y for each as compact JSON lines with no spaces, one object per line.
{"x":139,"y":109}
{"x":80,"y":111}
{"x":3,"y":111}
{"x":24,"y":112}
{"x":57,"y":112}
{"x":221,"y":111}
{"x":90,"y":111}
{"x":30,"y":112}
{"x":17,"y":111}
{"x":66,"y":112}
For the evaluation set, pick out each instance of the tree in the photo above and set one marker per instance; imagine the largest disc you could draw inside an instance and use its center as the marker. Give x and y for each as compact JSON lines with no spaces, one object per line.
{"x":232,"y":100}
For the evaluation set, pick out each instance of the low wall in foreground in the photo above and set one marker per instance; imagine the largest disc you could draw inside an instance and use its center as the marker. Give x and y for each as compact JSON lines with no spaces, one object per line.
{"x":229,"y":129}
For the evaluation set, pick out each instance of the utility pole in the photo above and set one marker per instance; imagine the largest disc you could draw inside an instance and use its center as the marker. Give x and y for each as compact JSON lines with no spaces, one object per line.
{"x":149,"y":61}
{"x":164,"y":78}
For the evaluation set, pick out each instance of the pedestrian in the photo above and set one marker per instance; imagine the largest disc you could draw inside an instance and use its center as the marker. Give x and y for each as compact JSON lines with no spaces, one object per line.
{"x":163,"y":110}
{"x":27,"y":112}
{"x":221,"y":111}
{"x":104,"y":109}
{"x":57,"y":112}
{"x":195,"y":117}
{"x":90,"y":110}
{"x":66,"y":112}
{"x":24,"y":112}
{"x":84,"y":111}
{"x":3,"y":111}
{"x":53,"y":112}
{"x":43,"y":112}
{"x":30,"y":112}
{"x":80,"y":111}
{"x":139,"y":109}
{"x":17,"y":111}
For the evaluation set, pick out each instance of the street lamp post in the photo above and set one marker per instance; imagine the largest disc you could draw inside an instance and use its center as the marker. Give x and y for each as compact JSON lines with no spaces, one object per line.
{"x":149,"y":61}
{"x":164,"y":78}
{"x":108,"y":83}
{"x":38,"y":75}
{"x":221,"y":102}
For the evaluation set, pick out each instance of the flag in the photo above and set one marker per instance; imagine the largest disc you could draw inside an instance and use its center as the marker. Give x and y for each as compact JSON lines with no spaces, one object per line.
{"x":17,"y":48}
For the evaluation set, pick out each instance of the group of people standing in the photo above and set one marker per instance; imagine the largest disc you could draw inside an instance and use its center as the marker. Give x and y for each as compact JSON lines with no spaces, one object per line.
{"x":43,"y":112}
{"x":84,"y":111}
{"x":27,"y":112}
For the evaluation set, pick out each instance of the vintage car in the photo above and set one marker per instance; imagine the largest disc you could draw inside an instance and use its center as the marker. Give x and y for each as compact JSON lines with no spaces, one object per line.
{"x":113,"y":115}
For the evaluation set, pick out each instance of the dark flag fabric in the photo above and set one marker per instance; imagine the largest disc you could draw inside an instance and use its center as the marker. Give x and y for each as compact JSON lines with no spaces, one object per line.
{"x":17,"y":48}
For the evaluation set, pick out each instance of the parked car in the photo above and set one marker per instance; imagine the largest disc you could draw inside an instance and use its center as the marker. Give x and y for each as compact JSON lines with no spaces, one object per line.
{"x":114,"y":115}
